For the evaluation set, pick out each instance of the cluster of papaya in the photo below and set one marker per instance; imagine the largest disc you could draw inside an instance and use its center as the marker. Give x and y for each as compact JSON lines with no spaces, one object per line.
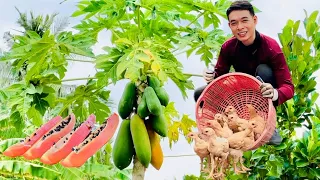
{"x":142,"y":111}
{"x":59,"y":140}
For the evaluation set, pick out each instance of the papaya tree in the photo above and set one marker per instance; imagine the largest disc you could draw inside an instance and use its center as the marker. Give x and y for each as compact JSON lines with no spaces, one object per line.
{"x":146,"y":37}
{"x":29,"y":99}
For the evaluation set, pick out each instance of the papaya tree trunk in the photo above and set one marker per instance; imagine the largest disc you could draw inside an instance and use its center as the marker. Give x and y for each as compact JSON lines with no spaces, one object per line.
{"x":138,"y":169}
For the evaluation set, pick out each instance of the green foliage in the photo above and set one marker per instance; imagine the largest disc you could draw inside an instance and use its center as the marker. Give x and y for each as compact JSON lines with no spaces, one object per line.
{"x":39,"y":64}
{"x":177,"y":125}
{"x":85,"y":100}
{"x":294,"y":158}
{"x":144,"y":35}
{"x":22,"y":169}
{"x":147,"y":36}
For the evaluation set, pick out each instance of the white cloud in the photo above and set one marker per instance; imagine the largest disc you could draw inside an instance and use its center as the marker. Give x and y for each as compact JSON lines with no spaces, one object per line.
{"x":273,"y":17}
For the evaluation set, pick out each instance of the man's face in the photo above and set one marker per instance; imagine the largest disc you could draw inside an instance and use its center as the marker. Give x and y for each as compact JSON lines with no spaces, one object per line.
{"x":243,"y":25}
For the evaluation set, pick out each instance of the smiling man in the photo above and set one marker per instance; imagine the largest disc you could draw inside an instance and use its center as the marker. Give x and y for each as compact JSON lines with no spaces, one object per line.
{"x":254,"y":53}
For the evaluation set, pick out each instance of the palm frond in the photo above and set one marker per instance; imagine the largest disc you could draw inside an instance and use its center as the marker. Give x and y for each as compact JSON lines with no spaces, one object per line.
{"x":59,"y":25}
{"x":23,"y":20}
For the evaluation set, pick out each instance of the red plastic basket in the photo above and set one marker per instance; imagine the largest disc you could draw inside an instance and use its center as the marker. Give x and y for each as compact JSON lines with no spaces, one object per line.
{"x":236,"y":89}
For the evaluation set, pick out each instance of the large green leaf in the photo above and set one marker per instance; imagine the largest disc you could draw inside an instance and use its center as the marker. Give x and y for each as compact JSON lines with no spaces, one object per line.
{"x":88,"y":99}
{"x":22,"y":169}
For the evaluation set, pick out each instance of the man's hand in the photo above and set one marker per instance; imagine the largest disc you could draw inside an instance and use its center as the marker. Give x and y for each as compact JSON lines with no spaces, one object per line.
{"x":268,"y":91}
{"x":208,"y":75}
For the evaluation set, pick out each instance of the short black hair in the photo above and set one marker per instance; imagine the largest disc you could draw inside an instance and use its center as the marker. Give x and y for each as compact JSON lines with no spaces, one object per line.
{"x":240,"y":5}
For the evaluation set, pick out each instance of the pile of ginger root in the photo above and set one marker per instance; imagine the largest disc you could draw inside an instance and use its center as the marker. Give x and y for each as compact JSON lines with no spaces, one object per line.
{"x":224,"y":139}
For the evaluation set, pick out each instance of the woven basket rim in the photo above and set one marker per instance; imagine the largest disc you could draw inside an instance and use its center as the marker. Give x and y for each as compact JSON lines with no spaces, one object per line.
{"x":271,"y":109}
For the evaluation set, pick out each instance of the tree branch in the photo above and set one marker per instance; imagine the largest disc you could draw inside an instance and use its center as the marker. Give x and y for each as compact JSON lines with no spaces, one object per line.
{"x":177,"y":54}
{"x":79,"y":60}
{"x":78,"y":79}
{"x":121,"y":26}
{"x":186,"y":74}
{"x":196,"y":18}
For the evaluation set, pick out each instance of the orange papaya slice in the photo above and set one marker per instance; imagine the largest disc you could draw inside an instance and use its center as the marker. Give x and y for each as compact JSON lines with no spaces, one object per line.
{"x":51,"y":137}
{"x":64,"y":146}
{"x":98,"y":138}
{"x":20,"y":148}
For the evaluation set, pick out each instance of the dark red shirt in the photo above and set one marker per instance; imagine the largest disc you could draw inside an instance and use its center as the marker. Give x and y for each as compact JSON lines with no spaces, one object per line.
{"x":246,"y":59}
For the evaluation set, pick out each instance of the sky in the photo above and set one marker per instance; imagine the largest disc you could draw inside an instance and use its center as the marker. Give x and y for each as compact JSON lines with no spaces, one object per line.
{"x":271,"y":20}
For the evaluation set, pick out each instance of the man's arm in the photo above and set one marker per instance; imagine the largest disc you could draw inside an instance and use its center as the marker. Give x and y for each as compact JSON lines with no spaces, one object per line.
{"x":283,"y":78}
{"x":223,"y":64}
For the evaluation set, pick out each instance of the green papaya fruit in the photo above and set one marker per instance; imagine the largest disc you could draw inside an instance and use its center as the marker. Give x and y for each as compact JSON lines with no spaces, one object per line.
{"x":127,"y":100}
{"x":152,"y":100}
{"x":153,"y":81}
{"x":162,"y":95}
{"x":141,"y":140}
{"x":123,"y":148}
{"x":159,"y":124}
{"x":142,"y":109}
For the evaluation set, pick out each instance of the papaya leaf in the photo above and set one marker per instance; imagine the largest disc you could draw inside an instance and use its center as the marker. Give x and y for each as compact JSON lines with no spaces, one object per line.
{"x":103,"y":171}
{"x":35,"y":116}
{"x":87,"y":99}
{"x":187,"y":124}
{"x":170,"y":112}
{"x":173,"y":132}
{"x":70,"y":173}
{"x":26,"y":169}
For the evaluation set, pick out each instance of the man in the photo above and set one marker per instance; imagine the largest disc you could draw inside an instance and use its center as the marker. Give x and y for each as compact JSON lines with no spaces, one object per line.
{"x":253,"y":53}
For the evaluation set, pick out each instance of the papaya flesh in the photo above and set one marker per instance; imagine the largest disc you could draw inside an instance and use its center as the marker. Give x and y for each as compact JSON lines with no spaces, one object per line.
{"x":81,"y":153}
{"x":20,"y":148}
{"x":64,"y":146}
{"x":141,"y":140}
{"x":156,"y":150}
{"x":45,"y":143}
{"x":123,"y":150}
{"x":153,"y":103}
{"x":127,"y":100}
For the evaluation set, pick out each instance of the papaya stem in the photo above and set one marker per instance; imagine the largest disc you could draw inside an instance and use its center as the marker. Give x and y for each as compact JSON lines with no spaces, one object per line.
{"x":138,"y":169}
{"x":186,"y":74}
{"x":80,"y":60}
{"x":201,"y":14}
{"x":78,"y":79}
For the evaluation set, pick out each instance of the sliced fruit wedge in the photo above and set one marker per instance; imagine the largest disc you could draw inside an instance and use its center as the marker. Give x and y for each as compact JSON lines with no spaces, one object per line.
{"x":81,"y":153}
{"x":54,"y":134}
{"x":20,"y":148}
{"x":64,"y":146}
